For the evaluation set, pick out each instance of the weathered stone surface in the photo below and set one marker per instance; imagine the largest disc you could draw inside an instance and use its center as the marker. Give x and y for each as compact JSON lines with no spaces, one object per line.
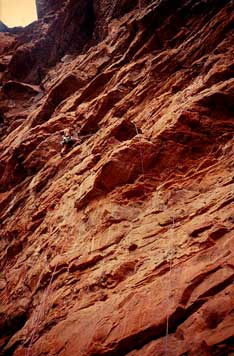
{"x":45,"y":6}
{"x":123,"y":246}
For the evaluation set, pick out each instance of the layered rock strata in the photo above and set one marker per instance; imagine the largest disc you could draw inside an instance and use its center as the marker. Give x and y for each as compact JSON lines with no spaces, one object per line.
{"x":124,"y":246}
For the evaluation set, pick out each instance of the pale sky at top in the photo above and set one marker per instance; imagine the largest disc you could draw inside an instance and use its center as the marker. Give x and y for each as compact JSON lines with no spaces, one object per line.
{"x":17,"y":12}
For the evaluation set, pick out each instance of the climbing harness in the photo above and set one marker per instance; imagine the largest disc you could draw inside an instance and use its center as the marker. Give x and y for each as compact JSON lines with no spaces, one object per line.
{"x":67,"y":139}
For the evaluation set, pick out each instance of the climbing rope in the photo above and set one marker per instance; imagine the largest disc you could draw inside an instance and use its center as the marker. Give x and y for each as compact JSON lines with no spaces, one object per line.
{"x":141,"y":159}
{"x":44,"y":303}
{"x":170,"y":287}
{"x":42,"y":307}
{"x":139,"y":5}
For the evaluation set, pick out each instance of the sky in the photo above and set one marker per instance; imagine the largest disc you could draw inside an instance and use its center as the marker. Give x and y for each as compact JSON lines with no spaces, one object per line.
{"x":17,"y":12}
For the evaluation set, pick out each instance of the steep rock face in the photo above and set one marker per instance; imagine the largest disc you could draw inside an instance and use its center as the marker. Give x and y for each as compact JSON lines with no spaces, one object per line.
{"x":123,"y":246}
{"x":43,"y":44}
{"x":46,"y":6}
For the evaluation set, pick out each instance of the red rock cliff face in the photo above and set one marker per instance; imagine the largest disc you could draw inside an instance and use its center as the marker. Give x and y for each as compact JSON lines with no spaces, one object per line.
{"x":123,"y":246}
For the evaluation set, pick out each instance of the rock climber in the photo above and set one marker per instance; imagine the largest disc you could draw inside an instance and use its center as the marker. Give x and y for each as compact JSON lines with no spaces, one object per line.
{"x":68,"y":141}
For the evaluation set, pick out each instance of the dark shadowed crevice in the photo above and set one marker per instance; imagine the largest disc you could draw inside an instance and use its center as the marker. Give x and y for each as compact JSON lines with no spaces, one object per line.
{"x":10,"y":327}
{"x":126,"y":131}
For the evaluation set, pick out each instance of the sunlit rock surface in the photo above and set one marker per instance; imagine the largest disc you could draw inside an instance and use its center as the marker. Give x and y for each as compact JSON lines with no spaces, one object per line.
{"x":123,"y":246}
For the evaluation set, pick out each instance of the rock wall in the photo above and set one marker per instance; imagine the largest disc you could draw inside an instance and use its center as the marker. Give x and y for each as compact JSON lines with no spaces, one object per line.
{"x":124,"y":245}
{"x":46,"y":6}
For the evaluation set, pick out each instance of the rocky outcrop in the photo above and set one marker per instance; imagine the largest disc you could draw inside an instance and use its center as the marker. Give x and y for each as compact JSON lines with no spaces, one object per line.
{"x":124,"y":245}
{"x":44,"y":7}
{"x":3,"y":27}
